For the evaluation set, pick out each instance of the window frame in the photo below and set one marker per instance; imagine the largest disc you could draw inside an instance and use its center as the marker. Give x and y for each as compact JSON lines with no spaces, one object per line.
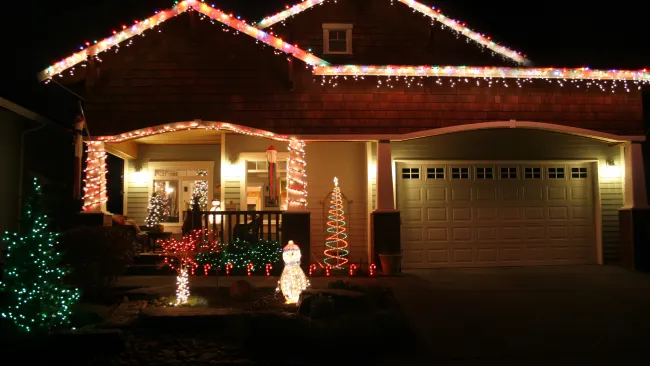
{"x":180,"y":165}
{"x":329,"y":27}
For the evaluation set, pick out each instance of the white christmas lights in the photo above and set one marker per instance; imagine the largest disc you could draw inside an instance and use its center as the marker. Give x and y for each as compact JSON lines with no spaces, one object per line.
{"x":95,"y":180}
{"x":297,"y":175}
{"x":293,"y":280}
{"x":182,"y":287}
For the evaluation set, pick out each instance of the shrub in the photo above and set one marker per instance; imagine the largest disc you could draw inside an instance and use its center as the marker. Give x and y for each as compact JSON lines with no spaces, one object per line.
{"x":97,"y":256}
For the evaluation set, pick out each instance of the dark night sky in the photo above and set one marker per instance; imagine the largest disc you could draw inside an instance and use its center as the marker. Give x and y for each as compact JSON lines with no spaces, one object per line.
{"x":552,"y":33}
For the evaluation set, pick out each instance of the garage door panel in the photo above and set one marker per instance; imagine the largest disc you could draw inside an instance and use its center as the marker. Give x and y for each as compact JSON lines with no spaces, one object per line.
{"x":436,"y":214}
{"x":461,"y":214}
{"x":461,"y":194}
{"x":436,"y":194}
{"x":512,"y":216}
{"x":534,"y":213}
{"x":461,"y":234}
{"x":487,"y":233}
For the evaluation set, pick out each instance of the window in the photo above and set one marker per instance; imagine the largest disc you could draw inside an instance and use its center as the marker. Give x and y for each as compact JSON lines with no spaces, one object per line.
{"x":459,"y":173}
{"x":508,"y":173}
{"x":410,"y":173}
{"x":435,"y":173}
{"x":337,"y":38}
{"x":180,"y":185}
{"x":556,"y":173}
{"x":484,"y":173}
{"x":578,"y":173}
{"x":533,"y":173}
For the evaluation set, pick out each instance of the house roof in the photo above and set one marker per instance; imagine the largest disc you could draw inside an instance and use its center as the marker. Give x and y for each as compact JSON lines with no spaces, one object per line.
{"x":186,"y":5}
{"x":428,"y":11}
{"x":323,"y":68}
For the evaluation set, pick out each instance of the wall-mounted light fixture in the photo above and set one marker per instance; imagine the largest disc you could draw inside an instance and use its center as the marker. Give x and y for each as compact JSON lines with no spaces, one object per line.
{"x":610,"y":170}
{"x":139,"y":176}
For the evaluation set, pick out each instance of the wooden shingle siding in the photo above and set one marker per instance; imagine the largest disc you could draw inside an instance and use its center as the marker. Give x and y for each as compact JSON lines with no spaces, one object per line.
{"x":167,"y":77}
{"x":137,"y":199}
{"x":524,"y":145}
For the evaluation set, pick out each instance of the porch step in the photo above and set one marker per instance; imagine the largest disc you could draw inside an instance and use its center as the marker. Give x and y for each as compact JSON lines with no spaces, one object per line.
{"x":148,"y":259}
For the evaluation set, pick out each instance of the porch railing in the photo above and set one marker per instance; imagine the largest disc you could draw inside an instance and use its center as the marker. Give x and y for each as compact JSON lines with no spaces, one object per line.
{"x":228,"y":225}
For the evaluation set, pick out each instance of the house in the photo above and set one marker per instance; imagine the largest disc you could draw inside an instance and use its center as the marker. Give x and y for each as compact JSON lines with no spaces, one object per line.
{"x":493,"y":163}
{"x":26,"y":137}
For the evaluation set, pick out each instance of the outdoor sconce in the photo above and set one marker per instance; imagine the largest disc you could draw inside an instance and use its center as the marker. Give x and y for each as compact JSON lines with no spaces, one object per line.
{"x":611,"y":170}
{"x":139,"y":177}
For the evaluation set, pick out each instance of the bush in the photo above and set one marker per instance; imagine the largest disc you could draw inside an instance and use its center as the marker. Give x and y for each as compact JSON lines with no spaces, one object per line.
{"x":97,"y":255}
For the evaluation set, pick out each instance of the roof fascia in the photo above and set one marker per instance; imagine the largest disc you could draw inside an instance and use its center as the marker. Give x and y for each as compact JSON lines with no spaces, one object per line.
{"x":140,"y":27}
{"x":419,"y":7}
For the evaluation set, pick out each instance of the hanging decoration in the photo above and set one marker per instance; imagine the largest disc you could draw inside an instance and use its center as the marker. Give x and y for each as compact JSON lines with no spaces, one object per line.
{"x":272,"y":199}
{"x":336,"y":252}
{"x":293,"y":280}
{"x":297,"y":175}
{"x":35,"y":297}
{"x":95,"y":182}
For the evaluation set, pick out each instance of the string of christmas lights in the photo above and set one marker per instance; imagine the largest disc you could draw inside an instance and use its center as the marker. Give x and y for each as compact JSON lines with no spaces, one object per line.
{"x":95,"y":181}
{"x":139,"y":27}
{"x":297,"y":175}
{"x":431,"y":12}
{"x":155,"y":210}
{"x":336,"y":252}
{"x":388,"y":76}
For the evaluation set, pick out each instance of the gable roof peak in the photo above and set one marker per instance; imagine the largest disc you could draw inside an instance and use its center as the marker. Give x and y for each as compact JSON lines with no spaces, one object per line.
{"x":429,"y":11}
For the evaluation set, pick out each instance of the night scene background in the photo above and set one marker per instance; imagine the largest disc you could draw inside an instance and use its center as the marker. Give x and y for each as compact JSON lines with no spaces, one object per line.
{"x":550,"y":33}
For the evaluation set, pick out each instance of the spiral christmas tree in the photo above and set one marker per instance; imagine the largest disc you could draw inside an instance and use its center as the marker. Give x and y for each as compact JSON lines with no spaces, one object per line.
{"x":336,"y":243}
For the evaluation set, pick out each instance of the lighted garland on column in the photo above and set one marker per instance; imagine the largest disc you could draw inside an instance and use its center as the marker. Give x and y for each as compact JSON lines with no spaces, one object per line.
{"x":95,"y":182}
{"x":35,"y":297}
{"x":336,"y":252}
{"x":297,"y":175}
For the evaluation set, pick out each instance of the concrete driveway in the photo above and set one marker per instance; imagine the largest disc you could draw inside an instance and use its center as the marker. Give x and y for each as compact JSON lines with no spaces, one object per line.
{"x":574,"y":315}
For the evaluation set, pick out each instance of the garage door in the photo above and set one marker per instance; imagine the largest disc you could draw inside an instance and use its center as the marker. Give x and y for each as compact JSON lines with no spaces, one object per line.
{"x":496,"y":214}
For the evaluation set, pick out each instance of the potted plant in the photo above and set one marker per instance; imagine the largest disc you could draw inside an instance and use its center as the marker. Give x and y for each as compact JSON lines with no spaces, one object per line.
{"x":391,"y":263}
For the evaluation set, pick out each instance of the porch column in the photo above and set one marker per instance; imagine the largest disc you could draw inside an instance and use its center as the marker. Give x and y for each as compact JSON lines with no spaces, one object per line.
{"x":635,"y":213}
{"x":95,"y":181}
{"x":296,"y":220}
{"x":385,"y":218}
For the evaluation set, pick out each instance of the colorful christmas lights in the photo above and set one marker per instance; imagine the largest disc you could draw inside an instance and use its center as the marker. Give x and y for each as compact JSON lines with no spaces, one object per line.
{"x":483,"y":72}
{"x":297,"y":175}
{"x":95,"y":181}
{"x":431,"y":12}
{"x":35,"y":297}
{"x":336,"y":252}
{"x":140,"y":27}
{"x":293,"y":280}
{"x":462,"y":29}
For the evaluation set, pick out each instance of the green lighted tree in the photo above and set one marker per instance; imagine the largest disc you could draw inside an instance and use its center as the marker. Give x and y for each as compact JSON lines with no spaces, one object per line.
{"x":156,"y":210}
{"x":36,"y":298}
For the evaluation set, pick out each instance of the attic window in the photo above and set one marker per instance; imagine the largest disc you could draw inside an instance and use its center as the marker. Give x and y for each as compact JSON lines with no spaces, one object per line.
{"x":337,"y":39}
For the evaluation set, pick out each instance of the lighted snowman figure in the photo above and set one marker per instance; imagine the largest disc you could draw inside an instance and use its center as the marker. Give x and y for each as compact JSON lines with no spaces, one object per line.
{"x":216,"y":206}
{"x":293,"y":280}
